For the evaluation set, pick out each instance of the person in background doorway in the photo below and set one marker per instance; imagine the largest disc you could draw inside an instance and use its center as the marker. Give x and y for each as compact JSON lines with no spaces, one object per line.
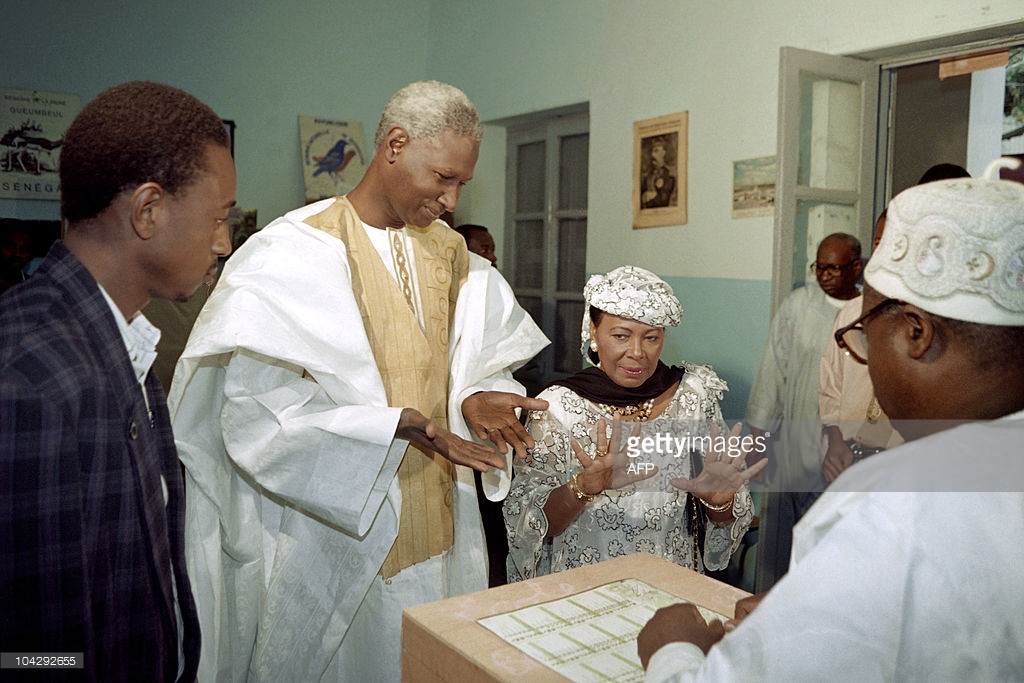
{"x":853,"y":424}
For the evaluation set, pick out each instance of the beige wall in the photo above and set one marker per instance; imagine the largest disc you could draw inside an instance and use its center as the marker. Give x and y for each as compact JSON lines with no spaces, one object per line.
{"x":638,"y":60}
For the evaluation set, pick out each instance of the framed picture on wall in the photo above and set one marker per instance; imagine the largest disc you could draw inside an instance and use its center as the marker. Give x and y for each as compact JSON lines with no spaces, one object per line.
{"x":659,"y":171}
{"x":753,"y":187}
{"x":334,"y":156}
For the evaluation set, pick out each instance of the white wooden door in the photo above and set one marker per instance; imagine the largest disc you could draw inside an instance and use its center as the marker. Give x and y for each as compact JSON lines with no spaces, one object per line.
{"x":828,"y":123}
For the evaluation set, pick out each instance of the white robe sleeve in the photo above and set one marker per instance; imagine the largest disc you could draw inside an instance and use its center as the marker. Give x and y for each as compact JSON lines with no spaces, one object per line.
{"x":766,"y":404}
{"x":674,"y":663}
{"x":303,"y":414}
{"x":333,"y":462}
{"x":898,"y":573}
{"x":834,"y":614}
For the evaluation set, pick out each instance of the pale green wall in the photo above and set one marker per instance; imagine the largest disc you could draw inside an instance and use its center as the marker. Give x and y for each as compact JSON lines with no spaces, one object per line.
{"x":261,"y":64}
{"x":642,"y":59}
{"x":646,"y":58}
{"x":264,"y":63}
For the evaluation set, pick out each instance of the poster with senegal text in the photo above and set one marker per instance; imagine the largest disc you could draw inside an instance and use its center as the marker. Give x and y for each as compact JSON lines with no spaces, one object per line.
{"x":32,"y":127}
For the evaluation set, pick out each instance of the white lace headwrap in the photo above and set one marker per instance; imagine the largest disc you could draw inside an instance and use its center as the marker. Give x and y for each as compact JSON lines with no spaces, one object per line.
{"x":630,"y":292}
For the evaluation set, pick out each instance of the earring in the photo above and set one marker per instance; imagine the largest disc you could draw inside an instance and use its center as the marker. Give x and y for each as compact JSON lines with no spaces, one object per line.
{"x":593,"y":346}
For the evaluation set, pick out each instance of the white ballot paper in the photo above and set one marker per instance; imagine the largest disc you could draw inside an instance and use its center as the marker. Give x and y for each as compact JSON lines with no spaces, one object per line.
{"x":589,"y":636}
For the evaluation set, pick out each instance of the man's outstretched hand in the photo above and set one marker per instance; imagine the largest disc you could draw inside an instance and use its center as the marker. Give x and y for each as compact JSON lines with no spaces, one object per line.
{"x":492,"y":417}
{"x":681,"y":622}
{"x":415,"y":427}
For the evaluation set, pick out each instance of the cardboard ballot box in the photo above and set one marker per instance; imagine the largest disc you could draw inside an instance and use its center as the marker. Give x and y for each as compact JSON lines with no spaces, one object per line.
{"x":442,"y":641}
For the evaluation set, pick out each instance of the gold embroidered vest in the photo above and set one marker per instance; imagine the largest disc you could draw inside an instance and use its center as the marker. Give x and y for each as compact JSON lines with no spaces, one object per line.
{"x":412,"y":361}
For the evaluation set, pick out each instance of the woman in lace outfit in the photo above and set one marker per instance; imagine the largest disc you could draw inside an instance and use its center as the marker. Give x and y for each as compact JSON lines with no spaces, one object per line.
{"x":586,"y":492}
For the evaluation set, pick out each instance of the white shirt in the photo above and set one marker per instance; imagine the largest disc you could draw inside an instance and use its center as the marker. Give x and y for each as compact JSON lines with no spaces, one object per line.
{"x":895,"y":574}
{"x":140,"y":339}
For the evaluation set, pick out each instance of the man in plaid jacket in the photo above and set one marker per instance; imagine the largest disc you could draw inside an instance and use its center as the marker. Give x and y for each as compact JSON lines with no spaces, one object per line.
{"x":92,"y":573}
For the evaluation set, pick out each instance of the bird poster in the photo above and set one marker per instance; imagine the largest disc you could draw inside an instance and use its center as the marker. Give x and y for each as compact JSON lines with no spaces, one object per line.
{"x":334,"y":156}
{"x":32,"y":126}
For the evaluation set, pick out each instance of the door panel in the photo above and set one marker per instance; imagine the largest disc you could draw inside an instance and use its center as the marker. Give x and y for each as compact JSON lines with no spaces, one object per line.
{"x":828,"y":126}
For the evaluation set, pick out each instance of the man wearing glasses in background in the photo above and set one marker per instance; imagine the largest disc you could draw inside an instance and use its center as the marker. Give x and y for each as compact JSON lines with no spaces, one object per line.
{"x":784,"y":400}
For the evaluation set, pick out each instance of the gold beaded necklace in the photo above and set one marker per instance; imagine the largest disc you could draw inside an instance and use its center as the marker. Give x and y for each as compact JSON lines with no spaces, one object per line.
{"x":641,"y":412}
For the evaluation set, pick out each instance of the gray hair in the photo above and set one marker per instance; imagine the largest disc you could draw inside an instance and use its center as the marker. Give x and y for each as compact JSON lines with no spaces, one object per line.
{"x":426,"y":109}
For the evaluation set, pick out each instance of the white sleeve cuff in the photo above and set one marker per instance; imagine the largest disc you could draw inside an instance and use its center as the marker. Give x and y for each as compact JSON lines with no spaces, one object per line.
{"x":675,"y":662}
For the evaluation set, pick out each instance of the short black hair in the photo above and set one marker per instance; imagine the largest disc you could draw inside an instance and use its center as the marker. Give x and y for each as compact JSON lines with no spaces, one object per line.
{"x":131,"y":134}
{"x":467,"y":228}
{"x":989,"y":346}
{"x":852,"y":242}
{"x":943,"y":172}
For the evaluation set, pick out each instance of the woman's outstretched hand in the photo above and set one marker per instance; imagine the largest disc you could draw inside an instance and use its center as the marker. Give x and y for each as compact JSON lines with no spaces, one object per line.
{"x":609,"y":469}
{"x":722,"y":475}
{"x":491,"y":415}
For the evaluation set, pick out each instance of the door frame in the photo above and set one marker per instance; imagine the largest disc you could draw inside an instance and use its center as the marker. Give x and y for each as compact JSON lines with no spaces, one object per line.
{"x":874,"y":193}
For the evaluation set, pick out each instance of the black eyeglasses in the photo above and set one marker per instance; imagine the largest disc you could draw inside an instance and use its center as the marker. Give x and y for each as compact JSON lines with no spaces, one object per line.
{"x":853,"y":339}
{"x":829,"y":269}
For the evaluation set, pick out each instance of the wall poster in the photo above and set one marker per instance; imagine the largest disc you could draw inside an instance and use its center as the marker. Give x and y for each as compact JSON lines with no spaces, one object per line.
{"x":753,"y":187}
{"x":333,"y":156}
{"x":32,"y":127}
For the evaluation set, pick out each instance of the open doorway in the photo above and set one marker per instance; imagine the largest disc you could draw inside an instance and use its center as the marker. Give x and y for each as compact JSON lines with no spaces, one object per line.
{"x":930,"y":123}
{"x":839,"y":128}
{"x":964,"y":119}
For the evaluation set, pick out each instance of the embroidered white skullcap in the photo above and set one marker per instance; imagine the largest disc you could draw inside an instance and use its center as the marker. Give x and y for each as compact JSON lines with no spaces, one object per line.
{"x":630,"y":292}
{"x":956,"y":248}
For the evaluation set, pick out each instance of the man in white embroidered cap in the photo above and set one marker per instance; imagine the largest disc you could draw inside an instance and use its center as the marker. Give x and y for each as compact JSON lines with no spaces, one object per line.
{"x":915,"y":549}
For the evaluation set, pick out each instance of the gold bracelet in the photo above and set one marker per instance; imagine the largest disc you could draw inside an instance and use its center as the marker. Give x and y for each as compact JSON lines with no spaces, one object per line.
{"x":717,"y":508}
{"x":574,"y":488}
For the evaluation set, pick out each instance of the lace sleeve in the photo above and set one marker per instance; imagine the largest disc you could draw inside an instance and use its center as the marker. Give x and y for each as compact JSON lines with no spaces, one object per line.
{"x":720,"y":542}
{"x":545,"y":469}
